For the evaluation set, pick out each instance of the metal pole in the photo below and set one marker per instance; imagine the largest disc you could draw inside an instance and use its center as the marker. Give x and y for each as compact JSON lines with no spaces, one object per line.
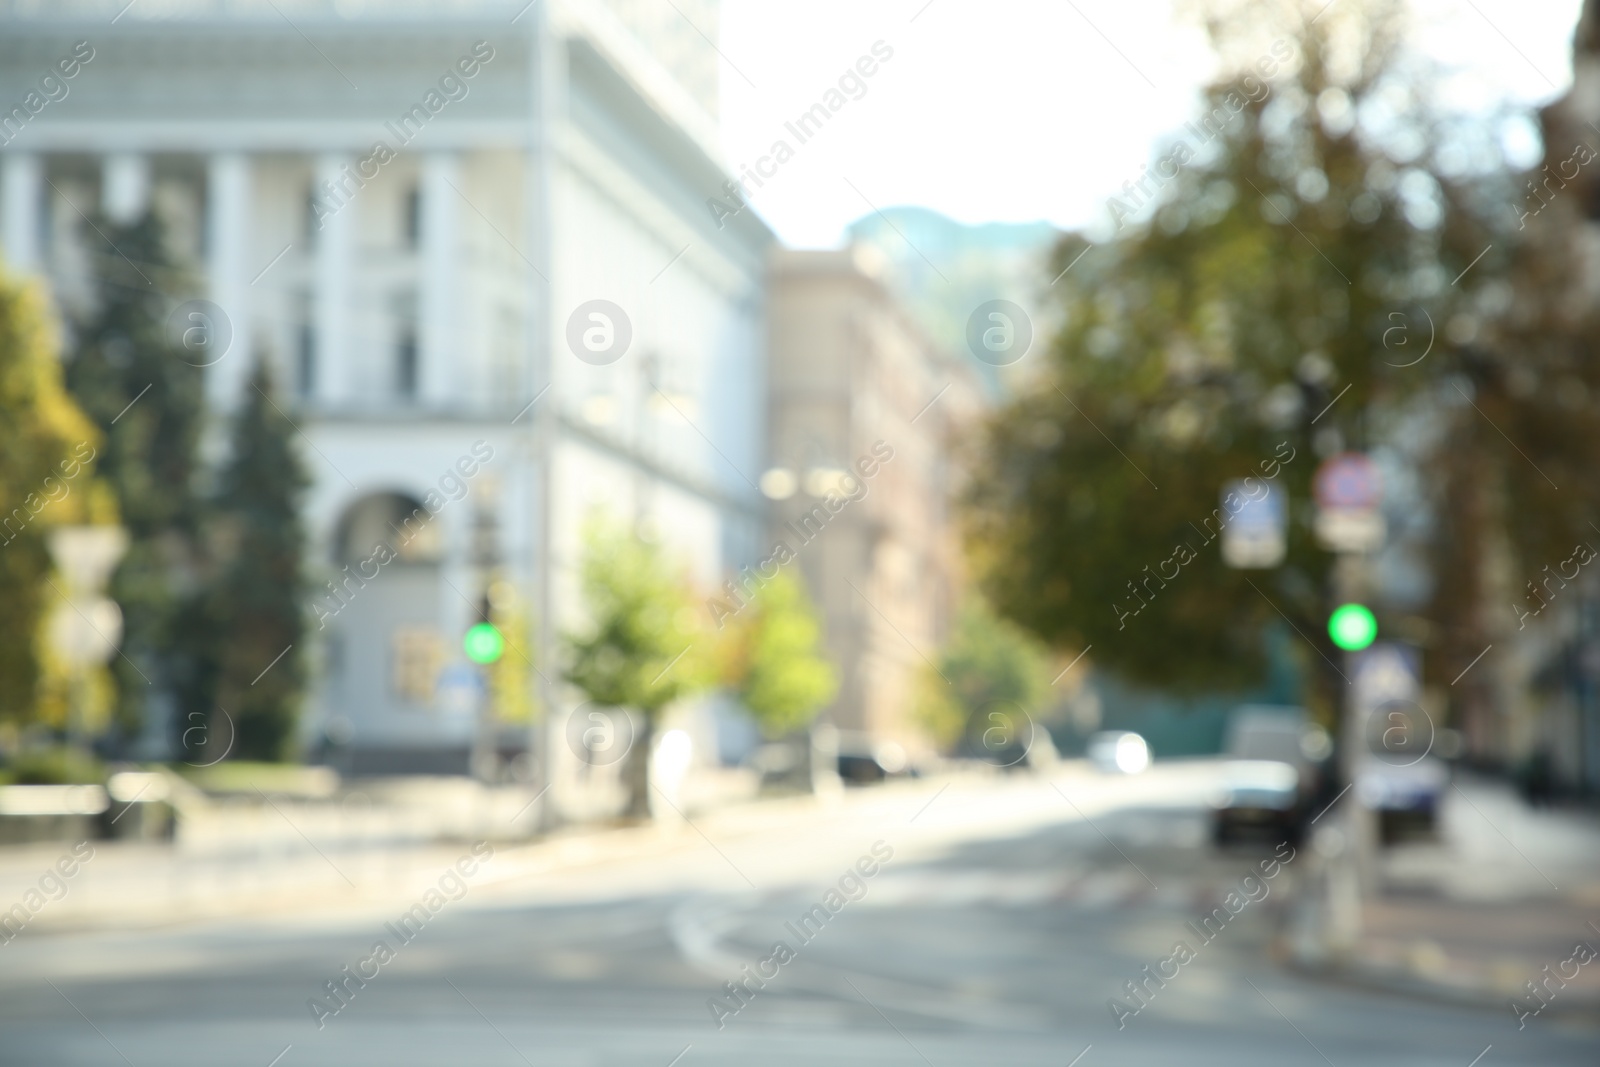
{"x":548,"y":93}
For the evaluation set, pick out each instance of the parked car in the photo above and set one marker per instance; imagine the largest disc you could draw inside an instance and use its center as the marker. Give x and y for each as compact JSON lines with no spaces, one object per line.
{"x":1401,"y":776}
{"x":1118,"y":752}
{"x":863,"y":760}
{"x":1273,"y":775}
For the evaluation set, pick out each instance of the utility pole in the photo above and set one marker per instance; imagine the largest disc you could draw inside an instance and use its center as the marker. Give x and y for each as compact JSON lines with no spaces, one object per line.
{"x":547,"y":87}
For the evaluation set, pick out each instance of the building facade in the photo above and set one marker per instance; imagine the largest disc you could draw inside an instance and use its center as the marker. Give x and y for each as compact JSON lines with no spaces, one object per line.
{"x":865,"y":414}
{"x":471,"y":238}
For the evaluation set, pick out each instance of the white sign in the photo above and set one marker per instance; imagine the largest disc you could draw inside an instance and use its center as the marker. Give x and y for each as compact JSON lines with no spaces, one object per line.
{"x":85,"y":631}
{"x":86,"y":555}
{"x":1350,"y":529}
{"x":1254,"y":536}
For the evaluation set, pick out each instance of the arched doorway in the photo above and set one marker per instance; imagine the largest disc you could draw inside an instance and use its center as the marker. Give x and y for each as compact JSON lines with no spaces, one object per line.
{"x":381,"y":612}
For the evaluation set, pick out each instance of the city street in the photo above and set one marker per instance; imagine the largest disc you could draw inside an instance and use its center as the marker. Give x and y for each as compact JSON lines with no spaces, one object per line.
{"x":998,"y":918}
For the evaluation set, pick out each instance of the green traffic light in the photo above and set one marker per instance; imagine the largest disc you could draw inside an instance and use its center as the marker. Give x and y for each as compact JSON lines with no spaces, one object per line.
{"x":483,"y":643}
{"x":1352,"y":627}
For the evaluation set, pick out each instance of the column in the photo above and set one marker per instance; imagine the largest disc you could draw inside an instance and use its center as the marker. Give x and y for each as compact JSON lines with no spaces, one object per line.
{"x":333,"y":226}
{"x":21,"y":179}
{"x":443,"y":365}
{"x":228,"y":197}
{"x":125,"y":187}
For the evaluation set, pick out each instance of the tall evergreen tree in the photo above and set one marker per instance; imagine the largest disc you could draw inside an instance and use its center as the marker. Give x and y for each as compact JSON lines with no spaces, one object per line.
{"x":255,"y":609}
{"x":45,"y":444}
{"x":146,"y":398}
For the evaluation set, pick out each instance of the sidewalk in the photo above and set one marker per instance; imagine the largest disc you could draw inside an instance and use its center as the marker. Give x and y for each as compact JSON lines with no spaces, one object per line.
{"x":1506,"y":892}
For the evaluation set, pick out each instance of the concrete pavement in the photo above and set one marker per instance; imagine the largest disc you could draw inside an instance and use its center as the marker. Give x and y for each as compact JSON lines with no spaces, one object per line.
{"x":1010,"y":913}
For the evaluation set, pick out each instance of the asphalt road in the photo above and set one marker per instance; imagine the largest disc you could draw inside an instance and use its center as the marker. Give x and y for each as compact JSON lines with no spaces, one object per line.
{"x":1001,"y":922}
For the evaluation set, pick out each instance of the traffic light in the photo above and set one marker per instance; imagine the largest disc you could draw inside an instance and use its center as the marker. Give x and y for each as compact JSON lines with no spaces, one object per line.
{"x":483,"y":643}
{"x":1352,"y":627}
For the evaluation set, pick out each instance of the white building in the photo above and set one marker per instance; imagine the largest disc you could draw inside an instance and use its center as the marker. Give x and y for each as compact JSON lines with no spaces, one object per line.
{"x":406,"y":207}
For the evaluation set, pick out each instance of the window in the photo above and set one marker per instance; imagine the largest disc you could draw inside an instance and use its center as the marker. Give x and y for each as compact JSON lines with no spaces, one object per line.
{"x":306,"y":358}
{"x":412,"y":224}
{"x":406,"y":363}
{"x":418,"y":654}
{"x":312,"y":222}
{"x":506,"y":366}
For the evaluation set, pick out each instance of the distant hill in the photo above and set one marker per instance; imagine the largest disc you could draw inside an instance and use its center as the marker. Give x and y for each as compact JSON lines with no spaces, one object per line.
{"x":995,"y":260}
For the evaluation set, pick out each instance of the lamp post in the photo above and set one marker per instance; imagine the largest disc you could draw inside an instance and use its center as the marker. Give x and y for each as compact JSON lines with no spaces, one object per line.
{"x":86,"y":627}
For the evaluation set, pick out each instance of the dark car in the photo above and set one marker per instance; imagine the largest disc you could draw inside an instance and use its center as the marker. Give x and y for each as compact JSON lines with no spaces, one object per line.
{"x":1274,"y":774}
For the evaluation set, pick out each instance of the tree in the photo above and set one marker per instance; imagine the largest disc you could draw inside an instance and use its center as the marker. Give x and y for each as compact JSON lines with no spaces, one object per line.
{"x":146,"y":398}
{"x":988,"y":666}
{"x":46,"y":444}
{"x":643,"y":649}
{"x":1208,"y":343}
{"x":257,"y":619}
{"x":773,"y":659}
{"x":1521,"y":422}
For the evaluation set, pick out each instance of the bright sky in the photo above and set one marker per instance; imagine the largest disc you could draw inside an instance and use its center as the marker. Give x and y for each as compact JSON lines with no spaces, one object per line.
{"x":1019,"y":110}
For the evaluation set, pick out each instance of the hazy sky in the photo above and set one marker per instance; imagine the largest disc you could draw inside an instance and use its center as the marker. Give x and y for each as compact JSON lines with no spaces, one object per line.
{"x":1027,"y":109}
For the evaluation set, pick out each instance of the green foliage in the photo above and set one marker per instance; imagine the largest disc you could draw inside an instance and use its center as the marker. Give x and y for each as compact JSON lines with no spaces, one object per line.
{"x":986,"y":664}
{"x":60,"y":765}
{"x":773,"y":658}
{"x":147,"y":403}
{"x":43,"y":436}
{"x":643,"y":619}
{"x":1201,"y":347}
{"x":511,"y":677}
{"x":254,"y":610}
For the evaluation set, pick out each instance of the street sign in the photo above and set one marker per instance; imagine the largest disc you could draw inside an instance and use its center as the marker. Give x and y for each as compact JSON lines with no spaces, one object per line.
{"x":1254,"y":535}
{"x":1350,"y":529}
{"x":1386,"y":673}
{"x":1347,"y":481}
{"x":1347,"y":494}
{"x":460,"y":689}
